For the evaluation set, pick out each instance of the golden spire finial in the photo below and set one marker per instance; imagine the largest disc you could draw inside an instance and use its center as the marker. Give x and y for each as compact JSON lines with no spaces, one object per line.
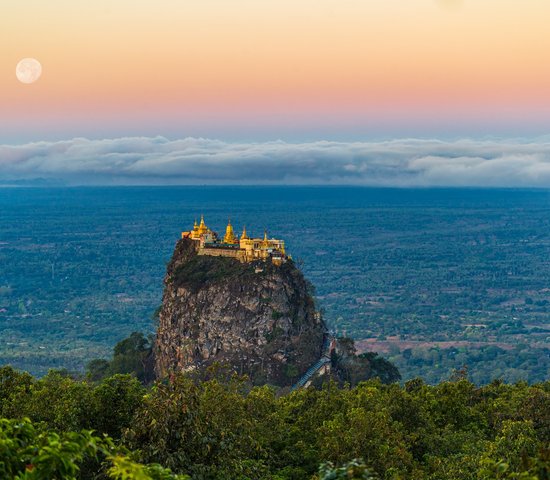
{"x":244,"y":236}
{"x":229,"y":234}
{"x":202,"y":227}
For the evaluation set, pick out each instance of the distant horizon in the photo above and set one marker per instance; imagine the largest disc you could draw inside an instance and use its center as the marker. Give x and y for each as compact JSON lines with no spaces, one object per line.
{"x":402,"y":162}
{"x":59,"y":186}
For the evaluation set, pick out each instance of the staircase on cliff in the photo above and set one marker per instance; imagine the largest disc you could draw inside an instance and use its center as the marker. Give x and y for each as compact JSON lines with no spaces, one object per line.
{"x":322,"y":363}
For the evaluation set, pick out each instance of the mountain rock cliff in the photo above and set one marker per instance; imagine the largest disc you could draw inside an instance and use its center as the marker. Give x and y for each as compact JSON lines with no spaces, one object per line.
{"x":257,"y":317}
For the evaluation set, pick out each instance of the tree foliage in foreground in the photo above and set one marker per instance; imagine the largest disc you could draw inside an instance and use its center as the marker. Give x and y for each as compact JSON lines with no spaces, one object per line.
{"x":26,"y":453}
{"x":218,"y":427}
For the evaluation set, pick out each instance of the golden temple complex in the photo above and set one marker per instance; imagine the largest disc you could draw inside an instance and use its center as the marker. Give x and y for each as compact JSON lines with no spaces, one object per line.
{"x":243,"y":248}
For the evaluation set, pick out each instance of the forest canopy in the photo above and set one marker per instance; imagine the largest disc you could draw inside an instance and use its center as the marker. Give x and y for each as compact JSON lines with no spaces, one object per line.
{"x":219,"y":427}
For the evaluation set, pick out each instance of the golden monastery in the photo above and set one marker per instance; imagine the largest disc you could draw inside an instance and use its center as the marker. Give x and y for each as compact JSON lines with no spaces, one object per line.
{"x":243,"y":248}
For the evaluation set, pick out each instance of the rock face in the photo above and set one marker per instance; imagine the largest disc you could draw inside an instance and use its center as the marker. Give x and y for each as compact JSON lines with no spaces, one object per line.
{"x":257,"y":317}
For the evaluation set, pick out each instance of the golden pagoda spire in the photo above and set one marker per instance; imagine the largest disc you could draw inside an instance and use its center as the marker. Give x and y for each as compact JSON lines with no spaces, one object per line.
{"x":202,"y":227}
{"x":229,"y":236}
{"x":194,"y":234}
{"x":244,"y":236}
{"x":266,"y":241}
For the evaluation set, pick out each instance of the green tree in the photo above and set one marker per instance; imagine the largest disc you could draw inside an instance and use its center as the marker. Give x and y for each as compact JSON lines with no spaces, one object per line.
{"x":15,"y":389}
{"x":515,"y":442}
{"x":199,"y":427}
{"x":59,"y":401}
{"x":27,"y":454}
{"x":131,"y":355}
{"x":115,"y":401}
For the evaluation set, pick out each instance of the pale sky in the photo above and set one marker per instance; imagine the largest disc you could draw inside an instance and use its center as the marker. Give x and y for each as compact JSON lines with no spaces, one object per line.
{"x":299,"y":70}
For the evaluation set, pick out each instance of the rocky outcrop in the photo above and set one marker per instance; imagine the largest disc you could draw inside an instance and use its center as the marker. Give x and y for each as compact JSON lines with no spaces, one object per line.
{"x":257,"y":317}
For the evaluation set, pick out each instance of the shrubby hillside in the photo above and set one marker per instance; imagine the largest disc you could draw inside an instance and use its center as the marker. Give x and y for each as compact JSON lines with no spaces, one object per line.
{"x":219,"y":427}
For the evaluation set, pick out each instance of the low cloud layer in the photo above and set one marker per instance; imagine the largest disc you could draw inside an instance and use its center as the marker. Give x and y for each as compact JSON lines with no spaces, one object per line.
{"x":142,"y":160}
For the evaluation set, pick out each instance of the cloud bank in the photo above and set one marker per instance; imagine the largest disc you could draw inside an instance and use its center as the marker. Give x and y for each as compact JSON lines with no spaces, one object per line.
{"x":157,"y":160}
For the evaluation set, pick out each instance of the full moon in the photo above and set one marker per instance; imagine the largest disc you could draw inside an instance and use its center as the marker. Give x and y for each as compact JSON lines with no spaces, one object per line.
{"x":28,"y":70}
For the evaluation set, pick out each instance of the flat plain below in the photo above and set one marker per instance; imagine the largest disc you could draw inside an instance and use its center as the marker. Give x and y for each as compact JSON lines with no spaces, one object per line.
{"x":433,"y":278}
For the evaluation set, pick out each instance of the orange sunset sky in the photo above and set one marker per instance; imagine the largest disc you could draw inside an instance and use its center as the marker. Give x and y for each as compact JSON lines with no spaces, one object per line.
{"x":262,"y":69}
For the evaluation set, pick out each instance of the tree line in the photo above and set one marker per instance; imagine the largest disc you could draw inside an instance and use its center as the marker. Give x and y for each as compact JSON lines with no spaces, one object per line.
{"x":215,"y":425}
